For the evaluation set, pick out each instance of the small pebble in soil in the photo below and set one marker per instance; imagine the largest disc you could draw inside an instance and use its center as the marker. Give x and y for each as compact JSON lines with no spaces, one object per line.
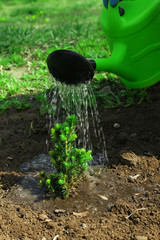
{"x":133,"y":135}
{"x":84,"y":226}
{"x":51,"y":224}
{"x":116,"y":125}
{"x":56,"y":237}
{"x":106,"y":90}
{"x":141,"y":238}
{"x":43,"y":217}
{"x":135,"y":176}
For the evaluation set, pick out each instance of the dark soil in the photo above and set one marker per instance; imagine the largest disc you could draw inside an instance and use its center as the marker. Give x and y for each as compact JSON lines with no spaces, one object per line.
{"x":133,"y":146}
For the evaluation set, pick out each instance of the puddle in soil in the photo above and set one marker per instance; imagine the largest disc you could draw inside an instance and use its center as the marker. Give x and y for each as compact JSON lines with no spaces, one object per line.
{"x":98,"y":192}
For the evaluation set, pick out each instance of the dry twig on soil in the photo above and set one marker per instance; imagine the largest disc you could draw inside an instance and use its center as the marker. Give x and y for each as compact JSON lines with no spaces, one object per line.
{"x":139,"y":209}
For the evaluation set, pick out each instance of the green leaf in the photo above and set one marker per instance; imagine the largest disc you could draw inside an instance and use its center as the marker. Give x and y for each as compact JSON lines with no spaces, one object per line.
{"x":48,"y":182}
{"x":72,"y":137}
{"x":61,"y":181}
{"x":53,"y":161}
{"x":52,"y":131}
{"x":42,"y":174}
{"x":41,"y":182}
{"x":66,"y":130}
{"x":66,"y":164}
{"x":89,"y":152}
{"x":85,"y":167}
{"x":58,"y":126}
{"x":63,"y":137}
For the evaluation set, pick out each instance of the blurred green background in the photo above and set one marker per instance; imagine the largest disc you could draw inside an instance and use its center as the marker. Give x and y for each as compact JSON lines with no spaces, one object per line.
{"x":31,"y":29}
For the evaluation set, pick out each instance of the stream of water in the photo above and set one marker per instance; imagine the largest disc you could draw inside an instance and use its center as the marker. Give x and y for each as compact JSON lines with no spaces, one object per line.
{"x":65,"y":100}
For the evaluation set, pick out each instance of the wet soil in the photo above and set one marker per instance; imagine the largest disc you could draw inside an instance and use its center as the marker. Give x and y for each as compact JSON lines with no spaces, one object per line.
{"x":120,"y":201}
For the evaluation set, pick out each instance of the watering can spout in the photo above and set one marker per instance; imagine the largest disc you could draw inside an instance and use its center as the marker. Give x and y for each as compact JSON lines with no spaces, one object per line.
{"x":105,"y":64}
{"x":72,"y":68}
{"x":114,"y":63}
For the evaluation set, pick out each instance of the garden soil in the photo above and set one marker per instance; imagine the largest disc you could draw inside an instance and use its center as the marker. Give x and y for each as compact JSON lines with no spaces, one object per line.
{"x":133,"y":146}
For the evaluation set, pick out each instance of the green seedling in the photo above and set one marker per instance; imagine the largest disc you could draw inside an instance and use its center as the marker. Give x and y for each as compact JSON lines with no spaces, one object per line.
{"x":70,"y":162}
{"x":31,"y":129}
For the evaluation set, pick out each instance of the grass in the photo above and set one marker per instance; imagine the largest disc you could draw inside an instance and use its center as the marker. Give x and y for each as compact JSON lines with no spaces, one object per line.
{"x":31,"y":29}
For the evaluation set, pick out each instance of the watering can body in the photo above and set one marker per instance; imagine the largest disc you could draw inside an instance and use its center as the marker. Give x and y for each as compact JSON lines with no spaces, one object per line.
{"x":132,"y":29}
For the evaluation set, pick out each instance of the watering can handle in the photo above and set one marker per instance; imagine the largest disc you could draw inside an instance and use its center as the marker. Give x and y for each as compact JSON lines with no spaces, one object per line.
{"x":113,"y":3}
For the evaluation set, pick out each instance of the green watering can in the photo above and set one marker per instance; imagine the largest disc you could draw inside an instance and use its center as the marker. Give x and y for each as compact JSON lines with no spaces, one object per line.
{"x":132,"y":29}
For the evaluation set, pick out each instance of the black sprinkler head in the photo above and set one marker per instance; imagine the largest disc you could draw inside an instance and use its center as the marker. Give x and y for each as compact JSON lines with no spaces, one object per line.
{"x":70,"y":67}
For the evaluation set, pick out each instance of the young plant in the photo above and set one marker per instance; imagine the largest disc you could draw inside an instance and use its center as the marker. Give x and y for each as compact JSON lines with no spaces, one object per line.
{"x":70,"y":162}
